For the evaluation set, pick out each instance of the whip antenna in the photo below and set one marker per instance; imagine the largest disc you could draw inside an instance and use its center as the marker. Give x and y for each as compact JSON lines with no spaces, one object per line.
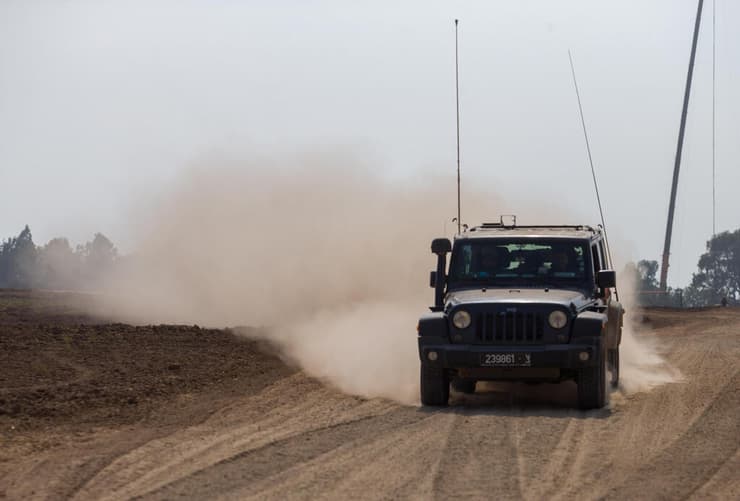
{"x":591,"y":162}
{"x":714,"y":120}
{"x":457,"y":105}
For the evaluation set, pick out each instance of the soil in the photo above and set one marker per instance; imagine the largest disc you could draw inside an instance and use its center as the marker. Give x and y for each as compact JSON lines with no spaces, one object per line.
{"x":96,"y":410}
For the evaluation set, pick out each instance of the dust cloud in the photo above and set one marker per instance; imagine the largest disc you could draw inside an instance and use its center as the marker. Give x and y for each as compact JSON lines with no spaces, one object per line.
{"x":328,"y":257}
{"x":331,"y":259}
{"x":642,"y":366}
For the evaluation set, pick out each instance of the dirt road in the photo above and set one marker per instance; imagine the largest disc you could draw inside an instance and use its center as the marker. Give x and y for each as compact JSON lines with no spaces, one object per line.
{"x":278,"y":434}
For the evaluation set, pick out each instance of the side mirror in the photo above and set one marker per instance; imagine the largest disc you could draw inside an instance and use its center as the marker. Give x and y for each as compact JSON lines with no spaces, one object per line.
{"x":606,"y":279}
{"x":441,"y":246}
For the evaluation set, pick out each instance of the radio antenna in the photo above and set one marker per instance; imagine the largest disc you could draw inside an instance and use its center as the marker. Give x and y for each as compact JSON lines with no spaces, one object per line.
{"x":714,"y":120}
{"x":457,"y":105}
{"x":591,"y":162}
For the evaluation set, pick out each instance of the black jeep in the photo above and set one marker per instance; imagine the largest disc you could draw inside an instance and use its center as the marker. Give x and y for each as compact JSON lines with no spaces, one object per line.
{"x":521,"y":303}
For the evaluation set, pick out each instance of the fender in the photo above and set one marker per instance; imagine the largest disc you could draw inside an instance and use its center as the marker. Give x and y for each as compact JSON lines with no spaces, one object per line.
{"x":433,"y":325}
{"x":589,"y":324}
{"x":615,"y":313}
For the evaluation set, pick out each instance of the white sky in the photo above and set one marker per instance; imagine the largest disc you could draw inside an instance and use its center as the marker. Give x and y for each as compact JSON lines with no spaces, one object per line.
{"x":103,"y":102}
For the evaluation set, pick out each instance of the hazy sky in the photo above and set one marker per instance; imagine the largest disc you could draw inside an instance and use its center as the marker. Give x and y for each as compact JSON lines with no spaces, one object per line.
{"x":102,"y":103}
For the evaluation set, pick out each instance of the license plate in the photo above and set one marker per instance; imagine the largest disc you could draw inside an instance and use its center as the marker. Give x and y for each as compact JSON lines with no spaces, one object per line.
{"x":506,"y":359}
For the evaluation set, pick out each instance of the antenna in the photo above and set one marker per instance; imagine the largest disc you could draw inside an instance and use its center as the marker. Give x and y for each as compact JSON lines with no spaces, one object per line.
{"x":457,"y":104}
{"x":714,"y":121}
{"x":591,"y":162}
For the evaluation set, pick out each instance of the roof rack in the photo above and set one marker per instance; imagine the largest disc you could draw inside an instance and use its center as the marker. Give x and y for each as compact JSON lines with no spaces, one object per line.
{"x":578,"y":227}
{"x":512,"y":224}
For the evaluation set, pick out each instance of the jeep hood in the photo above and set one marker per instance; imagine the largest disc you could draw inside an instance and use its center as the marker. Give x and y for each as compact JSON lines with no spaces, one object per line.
{"x":564,"y":297}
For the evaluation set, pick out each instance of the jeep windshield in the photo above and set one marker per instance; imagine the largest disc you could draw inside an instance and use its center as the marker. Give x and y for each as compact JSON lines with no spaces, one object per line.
{"x":520,"y":262}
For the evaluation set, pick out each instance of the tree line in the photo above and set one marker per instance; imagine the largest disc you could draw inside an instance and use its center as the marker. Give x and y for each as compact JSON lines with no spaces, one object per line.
{"x":56,"y":265}
{"x":716,"y":281}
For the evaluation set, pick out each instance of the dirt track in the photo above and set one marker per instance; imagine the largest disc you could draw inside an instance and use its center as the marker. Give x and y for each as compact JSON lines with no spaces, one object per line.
{"x":223,"y":419}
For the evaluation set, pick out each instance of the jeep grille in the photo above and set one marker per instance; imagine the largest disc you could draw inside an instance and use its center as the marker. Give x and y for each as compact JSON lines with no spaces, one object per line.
{"x":509,"y":327}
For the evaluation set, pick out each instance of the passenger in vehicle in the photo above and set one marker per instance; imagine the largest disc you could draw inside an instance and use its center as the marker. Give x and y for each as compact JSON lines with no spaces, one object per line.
{"x":562,"y":263}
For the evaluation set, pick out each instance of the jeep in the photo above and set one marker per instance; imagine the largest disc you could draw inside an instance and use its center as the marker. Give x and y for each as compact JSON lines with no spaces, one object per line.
{"x":521,"y":303}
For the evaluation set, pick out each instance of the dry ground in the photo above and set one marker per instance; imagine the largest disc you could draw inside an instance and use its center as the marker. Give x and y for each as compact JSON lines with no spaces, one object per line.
{"x":92,"y":410}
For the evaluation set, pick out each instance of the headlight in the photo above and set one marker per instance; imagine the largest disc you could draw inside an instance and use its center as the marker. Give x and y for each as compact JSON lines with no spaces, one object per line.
{"x":461,"y":319}
{"x":557,"y":319}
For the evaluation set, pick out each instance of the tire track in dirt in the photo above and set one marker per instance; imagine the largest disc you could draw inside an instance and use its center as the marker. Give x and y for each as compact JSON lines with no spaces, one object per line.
{"x":540,"y":446}
{"x":648,"y":426}
{"x":400,"y":464}
{"x":480,"y":458}
{"x":247,"y":424}
{"x":724,"y":484}
{"x":253,"y":472}
{"x":696,"y":455}
{"x":559,"y":464}
{"x":51,"y":478}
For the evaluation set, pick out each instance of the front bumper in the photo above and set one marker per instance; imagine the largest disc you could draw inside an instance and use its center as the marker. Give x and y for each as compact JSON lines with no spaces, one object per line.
{"x":554,"y":356}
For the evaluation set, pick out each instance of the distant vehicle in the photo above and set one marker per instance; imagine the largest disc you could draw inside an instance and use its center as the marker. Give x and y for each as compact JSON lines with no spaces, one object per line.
{"x":521,"y":303}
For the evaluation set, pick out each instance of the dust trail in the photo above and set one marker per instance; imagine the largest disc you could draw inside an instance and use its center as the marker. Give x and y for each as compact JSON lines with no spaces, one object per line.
{"x":319,"y":249}
{"x":327,"y":255}
{"x":366,"y":349}
{"x":642,"y":365}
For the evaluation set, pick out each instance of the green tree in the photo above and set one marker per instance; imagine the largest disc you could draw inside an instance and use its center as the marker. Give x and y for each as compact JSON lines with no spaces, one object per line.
{"x":18,"y":261}
{"x":98,"y":258}
{"x":59,"y":265}
{"x":719,"y":271}
{"x":648,"y":271}
{"x":643,"y":276}
{"x":55,"y":265}
{"x":5,"y":262}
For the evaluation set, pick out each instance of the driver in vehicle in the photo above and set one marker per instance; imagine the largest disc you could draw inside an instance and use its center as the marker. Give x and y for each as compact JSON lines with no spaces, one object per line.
{"x":493,"y":260}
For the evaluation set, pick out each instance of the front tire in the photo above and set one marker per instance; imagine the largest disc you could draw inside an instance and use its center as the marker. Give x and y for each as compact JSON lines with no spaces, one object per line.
{"x":435,"y":386}
{"x":613,"y":359}
{"x":592,"y":385}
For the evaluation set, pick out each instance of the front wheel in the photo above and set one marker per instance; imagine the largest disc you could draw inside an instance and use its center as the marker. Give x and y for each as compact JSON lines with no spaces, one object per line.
{"x":613,"y":358}
{"x":592,"y":385}
{"x":435,"y":386}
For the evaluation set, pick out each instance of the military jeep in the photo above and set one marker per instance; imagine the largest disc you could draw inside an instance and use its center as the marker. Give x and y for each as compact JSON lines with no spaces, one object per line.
{"x":521,"y":303}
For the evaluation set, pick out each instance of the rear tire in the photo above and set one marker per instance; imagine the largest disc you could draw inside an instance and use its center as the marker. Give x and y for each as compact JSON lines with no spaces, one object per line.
{"x":613,"y":359}
{"x":435,"y":386}
{"x":592,"y":385}
{"x":466,"y":386}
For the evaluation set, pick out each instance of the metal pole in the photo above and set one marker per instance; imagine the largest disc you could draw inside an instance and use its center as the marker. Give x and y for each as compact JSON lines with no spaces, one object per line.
{"x":677,"y":165}
{"x":457,"y":105}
